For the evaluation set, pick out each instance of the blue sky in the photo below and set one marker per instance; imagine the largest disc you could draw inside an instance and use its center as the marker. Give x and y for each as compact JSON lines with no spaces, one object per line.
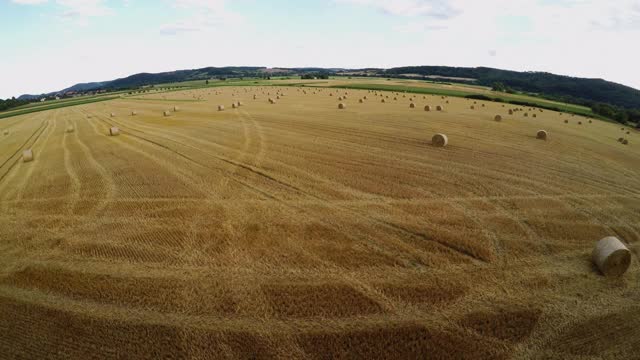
{"x":52,"y":44}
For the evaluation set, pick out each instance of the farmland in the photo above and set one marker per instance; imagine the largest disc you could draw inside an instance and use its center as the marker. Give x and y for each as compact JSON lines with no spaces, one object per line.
{"x":298,"y":230}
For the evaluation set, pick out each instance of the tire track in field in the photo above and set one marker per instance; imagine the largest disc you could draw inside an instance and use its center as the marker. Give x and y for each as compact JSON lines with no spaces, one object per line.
{"x":74,"y":197}
{"x":36,"y":137}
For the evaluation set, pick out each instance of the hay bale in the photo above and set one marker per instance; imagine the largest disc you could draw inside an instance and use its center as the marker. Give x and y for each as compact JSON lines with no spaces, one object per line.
{"x":542,"y":135}
{"x":427,"y":108}
{"x":566,"y":121}
{"x":239,"y":103}
{"x":579,"y":122}
{"x":27,"y":155}
{"x":113,"y":115}
{"x":510,"y":112}
{"x":365,"y":97}
{"x":439,"y":108}
{"x":611,"y":256}
{"x":497,"y":118}
{"x":176,"y":109}
{"x":220,"y":107}
{"x":590,"y":121}
{"x":482,"y":105}
{"x":134,"y":113}
{"x":360,"y":101}
{"x":6,"y":132}
{"x":620,"y":140}
{"x":412,"y":105}
{"x":382,"y":101}
{"x":342,"y":106}
{"x":535,"y":115}
{"x":628,"y":132}
{"x":625,"y":142}
{"x":340,"y":98}
{"x":233,"y":105}
{"x":526,"y":114}
{"x":166,"y":113}
{"x":472,"y":107}
{"x":69,"y":129}
{"x":439,"y":140}
{"x":114,"y":131}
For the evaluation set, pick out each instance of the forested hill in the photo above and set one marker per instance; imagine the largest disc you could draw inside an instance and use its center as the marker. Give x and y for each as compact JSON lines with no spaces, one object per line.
{"x":566,"y":88}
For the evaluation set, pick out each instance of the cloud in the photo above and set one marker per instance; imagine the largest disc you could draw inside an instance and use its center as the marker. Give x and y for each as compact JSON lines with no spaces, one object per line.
{"x":207,"y":15}
{"x":28,"y":2}
{"x":439,"y":9}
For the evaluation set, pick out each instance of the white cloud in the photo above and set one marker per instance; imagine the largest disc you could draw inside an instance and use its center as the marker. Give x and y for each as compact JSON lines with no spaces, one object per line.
{"x":207,"y":15}
{"x":441,"y":9}
{"x":28,"y":2}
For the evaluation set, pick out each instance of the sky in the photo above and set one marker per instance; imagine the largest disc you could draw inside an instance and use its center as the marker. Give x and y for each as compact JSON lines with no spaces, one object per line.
{"x":48,"y":45}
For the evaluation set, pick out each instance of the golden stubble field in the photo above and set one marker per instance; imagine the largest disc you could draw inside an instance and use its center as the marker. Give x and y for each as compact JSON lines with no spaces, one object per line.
{"x":298,"y":230}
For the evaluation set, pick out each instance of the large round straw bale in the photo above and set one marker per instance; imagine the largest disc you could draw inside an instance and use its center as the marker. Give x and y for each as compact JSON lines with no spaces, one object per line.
{"x":611,"y":257}
{"x":427,"y":108}
{"x":590,"y":121}
{"x":482,"y":105}
{"x":439,"y":108}
{"x":365,"y":97}
{"x":27,"y":155}
{"x":239,"y":103}
{"x":382,"y":101}
{"x":542,"y":135}
{"x":340,"y":98}
{"x":497,"y":118}
{"x":439,"y":140}
{"x":113,"y":115}
{"x":176,"y":109}
{"x":134,"y":113}
{"x":412,"y":105}
{"x":166,"y":113}
{"x":534,"y":115}
{"x":69,"y":129}
{"x":625,"y":142}
{"x":566,"y":121}
{"x":620,"y":140}
{"x":345,"y":97}
{"x":395,"y":98}
{"x":579,"y":122}
{"x":360,"y":101}
{"x":114,"y":131}
{"x":472,"y":107}
{"x":220,"y":107}
{"x":526,"y":114}
{"x":510,"y":112}
{"x":6,"y":132}
{"x":342,"y":106}
{"x":233,"y":105}
{"x":628,"y":132}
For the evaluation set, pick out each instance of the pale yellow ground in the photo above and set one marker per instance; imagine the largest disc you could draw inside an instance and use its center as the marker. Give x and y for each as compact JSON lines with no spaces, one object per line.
{"x":298,"y":230}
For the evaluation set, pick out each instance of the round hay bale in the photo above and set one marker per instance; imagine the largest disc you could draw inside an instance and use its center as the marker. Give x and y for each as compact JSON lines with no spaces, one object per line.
{"x":342,"y":106}
{"x":625,"y":142}
{"x":412,"y":105}
{"x":497,"y":118}
{"x":579,"y":122}
{"x":427,"y":108}
{"x":382,"y":101}
{"x":330,"y":94}
{"x":166,"y":113}
{"x":220,"y":107}
{"x":447,"y":101}
{"x":620,"y":140}
{"x":360,"y":101}
{"x":526,"y":114}
{"x":239,"y":103}
{"x":114,"y":131}
{"x":365,"y":97}
{"x":439,"y":108}
{"x":482,"y":105}
{"x":628,"y":132}
{"x":6,"y":132}
{"x":340,"y":98}
{"x":255,"y":97}
{"x":113,"y":115}
{"x":176,"y":109}
{"x":611,"y":257}
{"x":535,"y":115}
{"x":27,"y":155}
{"x":472,"y":107}
{"x":510,"y":112}
{"x":439,"y":140}
{"x":395,"y":98}
{"x":134,"y":113}
{"x":542,"y":135}
{"x":69,"y":129}
{"x":233,"y":105}
{"x":566,"y":121}
{"x":345,"y":97}
{"x":590,"y":121}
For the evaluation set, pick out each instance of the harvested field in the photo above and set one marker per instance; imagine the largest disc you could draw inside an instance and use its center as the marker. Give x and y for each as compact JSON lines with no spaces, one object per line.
{"x":305,"y":231}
